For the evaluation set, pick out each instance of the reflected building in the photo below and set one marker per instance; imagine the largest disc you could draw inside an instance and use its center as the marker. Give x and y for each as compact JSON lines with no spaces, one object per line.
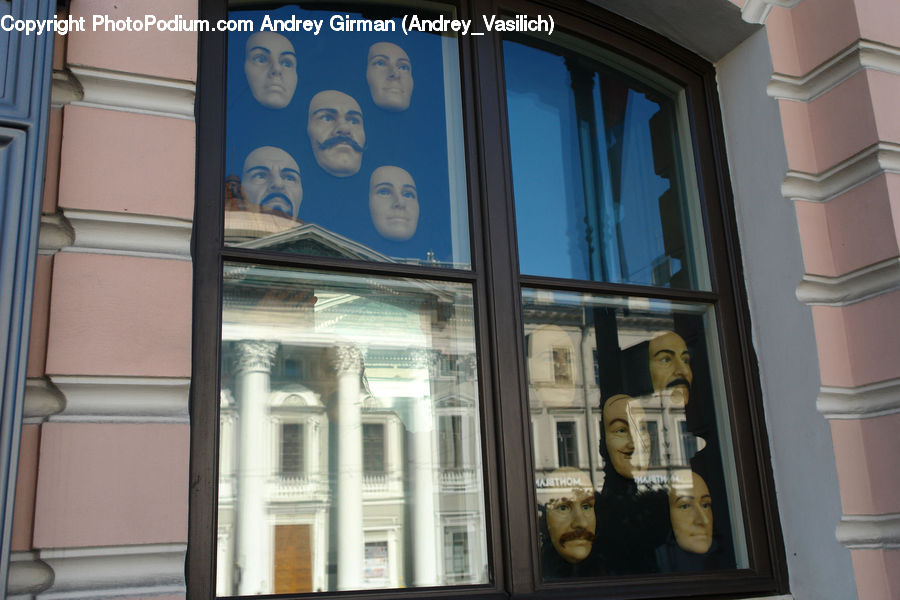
{"x":566,"y":384}
{"x":344,"y":465}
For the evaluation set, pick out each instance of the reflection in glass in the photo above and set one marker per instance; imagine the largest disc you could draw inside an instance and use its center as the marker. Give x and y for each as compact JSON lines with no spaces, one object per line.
{"x":603,"y":189}
{"x":642,"y":424}
{"x":338,"y":108}
{"x":350,"y":455}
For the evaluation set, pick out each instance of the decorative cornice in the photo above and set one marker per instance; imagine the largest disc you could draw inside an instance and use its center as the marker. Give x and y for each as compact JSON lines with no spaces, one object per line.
{"x":114,"y":90}
{"x":125,"y":234}
{"x":119,"y":571}
{"x":54,"y":234}
{"x":859,"y":285}
{"x":756,"y":11}
{"x":864,"y":54}
{"x":881,"y":158}
{"x":254,"y":355}
{"x":864,"y":402}
{"x":869,"y":532}
{"x":42,"y":399}
{"x":123,"y":399}
{"x":28,"y":575}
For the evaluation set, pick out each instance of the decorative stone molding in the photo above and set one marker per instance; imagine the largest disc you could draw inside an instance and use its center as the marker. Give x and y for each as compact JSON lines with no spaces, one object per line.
{"x":254,"y":355}
{"x":28,"y":575}
{"x":132,"y":235}
{"x":756,"y":11}
{"x":118,"y":571}
{"x":864,"y":402}
{"x":64,"y":89}
{"x":54,"y":234}
{"x":114,"y":90}
{"x":123,"y":399}
{"x":347,"y":359}
{"x":42,"y":399}
{"x":862,"y":55}
{"x":869,"y":532}
{"x":883,"y":157}
{"x":859,"y":285}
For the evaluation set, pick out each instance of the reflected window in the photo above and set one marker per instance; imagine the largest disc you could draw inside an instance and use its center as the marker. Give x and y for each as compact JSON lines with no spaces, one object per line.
{"x":653,"y":437}
{"x":291,"y":450}
{"x":566,"y":444}
{"x":451,"y":442}
{"x":625,"y":525}
{"x":373,"y":449}
{"x":562,"y":366}
{"x":364,"y":418}
{"x":456,"y":548}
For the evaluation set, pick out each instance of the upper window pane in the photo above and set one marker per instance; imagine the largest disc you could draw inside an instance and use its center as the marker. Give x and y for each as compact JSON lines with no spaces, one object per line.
{"x":344,"y":137}
{"x":603,"y":173}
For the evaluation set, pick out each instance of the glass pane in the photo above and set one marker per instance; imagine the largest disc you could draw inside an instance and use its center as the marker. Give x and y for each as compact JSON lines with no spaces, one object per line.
{"x":344,"y":137}
{"x":350,"y":453}
{"x":633,"y":459}
{"x":602,"y":170}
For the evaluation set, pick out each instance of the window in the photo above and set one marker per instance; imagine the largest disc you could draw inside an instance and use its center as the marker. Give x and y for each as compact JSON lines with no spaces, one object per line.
{"x":493,"y":273}
{"x":566,"y":444}
{"x":451,"y":441}
{"x":291,"y":450}
{"x":562,"y":368}
{"x":373,"y":449}
{"x":456,"y":554}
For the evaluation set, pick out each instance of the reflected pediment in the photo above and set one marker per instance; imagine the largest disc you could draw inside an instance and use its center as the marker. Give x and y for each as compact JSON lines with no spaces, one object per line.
{"x":312,"y":240}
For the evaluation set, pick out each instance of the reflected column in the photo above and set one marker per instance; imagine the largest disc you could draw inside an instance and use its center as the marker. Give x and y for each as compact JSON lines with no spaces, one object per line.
{"x":252,"y":368}
{"x":348,"y":501}
{"x":423,"y":468}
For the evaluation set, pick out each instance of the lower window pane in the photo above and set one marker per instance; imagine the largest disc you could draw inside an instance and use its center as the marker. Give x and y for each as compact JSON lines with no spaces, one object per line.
{"x":349,"y":442}
{"x":633,"y":460}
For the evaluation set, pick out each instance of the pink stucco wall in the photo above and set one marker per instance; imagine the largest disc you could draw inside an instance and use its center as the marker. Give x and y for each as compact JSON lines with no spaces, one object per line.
{"x":830,"y":231}
{"x":162,"y":54}
{"x":40,"y":316}
{"x":126,"y":162}
{"x":857,"y":344}
{"x":803,"y":37}
{"x":26,"y":479}
{"x":108,"y":484}
{"x":119,"y":315}
{"x":818,"y":135}
{"x":877,"y":573}
{"x":867,"y":465}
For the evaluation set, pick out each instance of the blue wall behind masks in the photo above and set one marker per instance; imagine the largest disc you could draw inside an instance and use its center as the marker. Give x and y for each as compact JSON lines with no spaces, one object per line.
{"x":414,"y":139}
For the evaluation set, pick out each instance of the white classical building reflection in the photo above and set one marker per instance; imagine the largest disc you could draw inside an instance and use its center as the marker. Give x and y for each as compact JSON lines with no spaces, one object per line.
{"x":349,"y":452}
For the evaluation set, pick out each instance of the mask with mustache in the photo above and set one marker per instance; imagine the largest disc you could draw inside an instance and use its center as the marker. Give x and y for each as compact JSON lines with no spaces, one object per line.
{"x":340,"y":139}
{"x":576,"y":534}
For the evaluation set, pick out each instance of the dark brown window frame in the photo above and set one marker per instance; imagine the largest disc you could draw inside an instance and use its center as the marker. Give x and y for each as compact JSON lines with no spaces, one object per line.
{"x":509,"y":483}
